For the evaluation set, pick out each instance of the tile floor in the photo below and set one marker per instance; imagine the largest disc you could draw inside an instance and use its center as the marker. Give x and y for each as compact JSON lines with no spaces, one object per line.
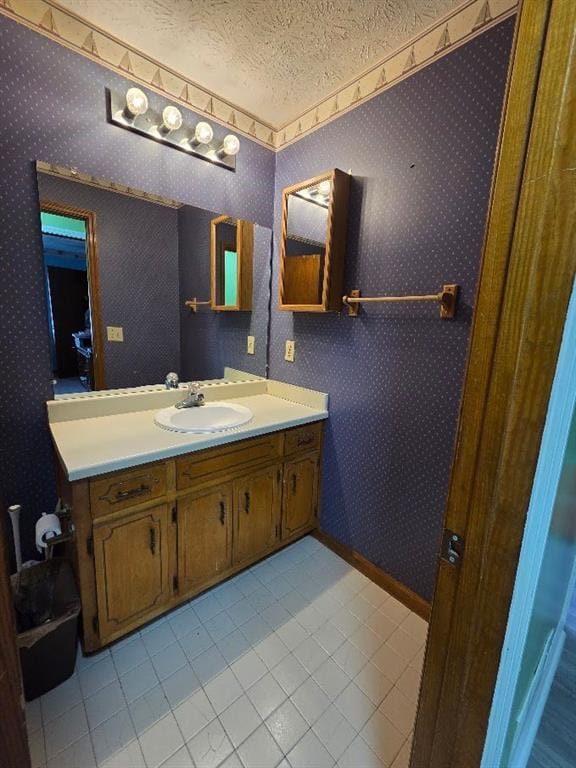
{"x":299,"y":662}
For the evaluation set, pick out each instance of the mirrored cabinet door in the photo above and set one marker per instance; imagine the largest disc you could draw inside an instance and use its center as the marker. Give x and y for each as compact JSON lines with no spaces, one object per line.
{"x":231,"y":246}
{"x":314,"y":218}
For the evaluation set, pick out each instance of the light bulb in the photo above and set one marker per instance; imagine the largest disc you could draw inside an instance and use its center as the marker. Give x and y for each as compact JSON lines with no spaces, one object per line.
{"x":324,"y":187}
{"x":136,"y":102}
{"x":171,"y":119}
{"x":203,"y":133}
{"x":230,"y":145}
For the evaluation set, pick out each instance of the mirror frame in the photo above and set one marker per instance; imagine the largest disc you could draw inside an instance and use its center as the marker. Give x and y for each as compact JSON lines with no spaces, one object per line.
{"x":245,"y":252}
{"x":336,"y":227}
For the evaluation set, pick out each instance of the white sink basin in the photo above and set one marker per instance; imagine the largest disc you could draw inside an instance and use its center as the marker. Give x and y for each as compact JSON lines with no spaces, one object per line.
{"x":209,"y":417}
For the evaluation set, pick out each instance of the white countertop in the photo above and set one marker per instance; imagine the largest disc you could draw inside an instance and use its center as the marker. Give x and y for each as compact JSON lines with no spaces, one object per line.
{"x":105,"y":443}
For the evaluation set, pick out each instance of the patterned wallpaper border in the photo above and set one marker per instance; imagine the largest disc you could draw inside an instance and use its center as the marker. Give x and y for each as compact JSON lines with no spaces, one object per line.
{"x":66,"y":28}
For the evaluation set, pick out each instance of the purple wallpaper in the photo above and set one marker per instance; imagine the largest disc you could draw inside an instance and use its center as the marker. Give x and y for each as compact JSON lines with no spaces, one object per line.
{"x":421,"y":156}
{"x":138,"y":269}
{"x":53,"y":109}
{"x":211,"y":340}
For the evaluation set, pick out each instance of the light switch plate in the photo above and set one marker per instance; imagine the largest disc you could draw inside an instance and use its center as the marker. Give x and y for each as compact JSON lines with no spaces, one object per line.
{"x":115,"y":333}
{"x":251,"y":345}
{"x":289,"y":353}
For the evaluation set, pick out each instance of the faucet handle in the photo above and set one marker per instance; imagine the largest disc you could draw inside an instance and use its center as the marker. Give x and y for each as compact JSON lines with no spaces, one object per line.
{"x":171,"y":381}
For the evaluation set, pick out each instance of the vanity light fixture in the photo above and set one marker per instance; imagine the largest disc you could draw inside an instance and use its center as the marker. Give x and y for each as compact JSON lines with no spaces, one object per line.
{"x":167,"y":125}
{"x":203,"y":134}
{"x":136,"y":103}
{"x":171,"y":119}
{"x":230,"y":146}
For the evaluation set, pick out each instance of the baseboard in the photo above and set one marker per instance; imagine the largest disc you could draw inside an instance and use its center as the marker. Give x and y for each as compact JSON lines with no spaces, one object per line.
{"x":398,"y":590}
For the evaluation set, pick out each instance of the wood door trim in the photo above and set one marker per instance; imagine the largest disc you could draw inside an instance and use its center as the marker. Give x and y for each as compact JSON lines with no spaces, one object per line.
{"x":527,"y":275}
{"x":398,"y":590}
{"x":93,"y":275}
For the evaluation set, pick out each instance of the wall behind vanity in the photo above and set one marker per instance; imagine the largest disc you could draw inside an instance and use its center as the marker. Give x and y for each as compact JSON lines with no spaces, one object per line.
{"x":54,"y":110}
{"x":421,"y":156}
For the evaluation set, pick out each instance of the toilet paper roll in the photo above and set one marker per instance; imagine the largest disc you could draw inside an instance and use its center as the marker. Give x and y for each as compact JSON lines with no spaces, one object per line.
{"x":47,"y":527}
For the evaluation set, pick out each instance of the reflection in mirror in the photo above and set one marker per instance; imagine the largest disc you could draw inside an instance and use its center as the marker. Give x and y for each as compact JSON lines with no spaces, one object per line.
{"x":231,"y":247}
{"x":119,"y":267}
{"x":305,"y":245}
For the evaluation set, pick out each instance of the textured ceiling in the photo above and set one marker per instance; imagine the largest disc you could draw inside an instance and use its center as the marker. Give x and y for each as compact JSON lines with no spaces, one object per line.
{"x":272,"y":58}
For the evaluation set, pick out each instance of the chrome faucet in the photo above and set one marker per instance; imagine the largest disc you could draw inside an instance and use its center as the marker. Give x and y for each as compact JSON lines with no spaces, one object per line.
{"x":194,"y":399}
{"x":171,"y":381}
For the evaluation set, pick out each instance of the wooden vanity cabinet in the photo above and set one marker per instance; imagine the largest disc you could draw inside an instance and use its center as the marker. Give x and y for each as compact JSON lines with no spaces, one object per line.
{"x":152,"y":537}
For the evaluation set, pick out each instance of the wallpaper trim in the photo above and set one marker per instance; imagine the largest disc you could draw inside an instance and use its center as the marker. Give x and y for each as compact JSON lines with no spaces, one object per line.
{"x":63,"y":26}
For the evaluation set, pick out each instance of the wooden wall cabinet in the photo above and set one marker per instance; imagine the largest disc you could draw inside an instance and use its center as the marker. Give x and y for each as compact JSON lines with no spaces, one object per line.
{"x":313,"y":243}
{"x":231,"y":264}
{"x":151,"y":537}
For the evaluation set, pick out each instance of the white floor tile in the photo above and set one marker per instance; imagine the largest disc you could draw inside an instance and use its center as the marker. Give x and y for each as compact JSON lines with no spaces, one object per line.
{"x":310,"y":654}
{"x":104,"y":704}
{"x":389,"y":662}
{"x":207,"y":606}
{"x":287,"y":726}
{"x":409,"y":683}
{"x":33,"y":716}
{"x":404,"y":644}
{"x":181,"y":759}
{"x":180,"y":686}
{"x":97,"y":676}
{"x":158,"y":638}
{"x":183,"y":623}
{"x":311,"y":700}
{"x":37,"y":748}
{"x":112,"y":737}
{"x":310,"y":752}
{"x":355,"y":706}
{"x":373,"y":683}
{"x":334,"y":731}
{"x":129,"y":756}
{"x":382,"y":737}
{"x":255,"y":630}
{"x":359,"y":755}
{"x":234,"y":645}
{"x":402,"y":759}
{"x":130,"y":656}
{"x":271,"y":650}
{"x":65,"y":730}
{"x":169,"y":660}
{"x":329,"y":637}
{"x":139,"y":680}
{"x":223,"y":690}
{"x":292,"y":634}
{"x":228,"y":594}
{"x":60,"y":699}
{"x":194,"y":714}
{"x":400,"y":710}
{"x":161,"y":741}
{"x":149,"y":709}
{"x":266,"y":695}
{"x":78,"y":755}
{"x":241,"y":611}
{"x":249,"y":669}
{"x":209,"y":665}
{"x":231,"y":762}
{"x":240,"y":720}
{"x":381,"y":624}
{"x":331,"y":678}
{"x":350,"y":659}
{"x":290,"y":674}
{"x":260,"y":750}
{"x":195,"y":642}
{"x":416,"y":627}
{"x":211,"y":746}
{"x":395,"y":610}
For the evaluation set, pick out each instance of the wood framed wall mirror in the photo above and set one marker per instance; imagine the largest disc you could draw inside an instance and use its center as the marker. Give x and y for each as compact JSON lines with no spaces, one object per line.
{"x":231,"y":264}
{"x":313,"y":244}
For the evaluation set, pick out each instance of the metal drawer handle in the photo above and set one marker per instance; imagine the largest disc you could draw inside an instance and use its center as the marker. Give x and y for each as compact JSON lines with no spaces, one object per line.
{"x":132,"y":492}
{"x":153,"y":540}
{"x":222,"y":513}
{"x":246,"y":502}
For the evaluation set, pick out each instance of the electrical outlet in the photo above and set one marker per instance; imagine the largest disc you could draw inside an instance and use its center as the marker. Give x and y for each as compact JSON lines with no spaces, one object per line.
{"x":115,"y":333}
{"x":251,"y":345}
{"x":289,"y":353}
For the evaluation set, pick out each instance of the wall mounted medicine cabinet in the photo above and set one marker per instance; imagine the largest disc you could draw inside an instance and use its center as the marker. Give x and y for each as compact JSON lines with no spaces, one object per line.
{"x":313,"y":246}
{"x":231,"y":260}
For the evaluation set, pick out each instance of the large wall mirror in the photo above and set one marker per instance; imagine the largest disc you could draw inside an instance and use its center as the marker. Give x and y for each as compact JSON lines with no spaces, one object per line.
{"x":130,"y":287}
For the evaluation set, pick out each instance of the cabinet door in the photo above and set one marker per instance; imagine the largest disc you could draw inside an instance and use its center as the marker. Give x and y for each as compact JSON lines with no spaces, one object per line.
{"x":300,"y":496}
{"x":132,"y":568}
{"x":204,"y":536}
{"x":257,"y":513}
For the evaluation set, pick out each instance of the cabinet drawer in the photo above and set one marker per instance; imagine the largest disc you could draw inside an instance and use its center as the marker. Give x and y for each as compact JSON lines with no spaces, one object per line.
{"x":202,"y":466}
{"x":120,"y":490}
{"x":302,"y":439}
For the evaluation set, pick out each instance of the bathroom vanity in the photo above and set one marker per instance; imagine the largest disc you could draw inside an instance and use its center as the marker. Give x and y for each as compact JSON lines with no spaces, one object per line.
{"x":179,"y":512}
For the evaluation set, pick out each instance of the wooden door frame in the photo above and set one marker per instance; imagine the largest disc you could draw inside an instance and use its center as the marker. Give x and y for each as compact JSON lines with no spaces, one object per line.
{"x":525,"y":284}
{"x":93,"y":275}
